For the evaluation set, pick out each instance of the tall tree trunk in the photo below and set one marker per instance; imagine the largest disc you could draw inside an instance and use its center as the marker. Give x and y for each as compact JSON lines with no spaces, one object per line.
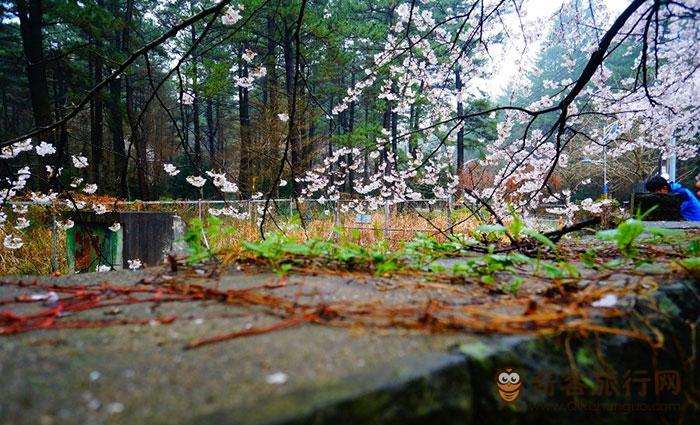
{"x":141,"y":154}
{"x":309,"y":151}
{"x":394,"y":125}
{"x":96,"y":133}
{"x":54,"y":90}
{"x":271,"y":91}
{"x":386,"y":124}
{"x":196,"y":132}
{"x":30,"y":23}
{"x":290,"y":68}
{"x":211,"y":131}
{"x":136,"y":133}
{"x":124,"y":163}
{"x":195,"y":108}
{"x":460,"y":112}
{"x":5,"y":114}
{"x":59,"y":78}
{"x":244,"y":173}
{"x":365,"y":169}
{"x":331,"y":129}
{"x":415,"y":123}
{"x":115,"y":109}
{"x":185,"y":118}
{"x":220,"y":133}
{"x":350,"y":128}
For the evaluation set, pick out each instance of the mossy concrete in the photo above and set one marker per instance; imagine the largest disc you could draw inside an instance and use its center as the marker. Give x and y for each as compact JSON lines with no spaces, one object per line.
{"x":143,"y":374}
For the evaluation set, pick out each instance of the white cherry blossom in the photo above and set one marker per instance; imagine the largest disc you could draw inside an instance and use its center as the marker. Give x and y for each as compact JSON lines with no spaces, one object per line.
{"x":12,"y":242}
{"x":79,"y":161}
{"x":43,"y":149}
{"x":171,"y":169}
{"x":134,"y":264}
{"x":196,"y":181}
{"x":90,"y":188}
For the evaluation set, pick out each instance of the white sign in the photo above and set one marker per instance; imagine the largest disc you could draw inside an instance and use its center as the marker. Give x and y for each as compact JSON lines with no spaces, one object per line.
{"x":363,"y":218}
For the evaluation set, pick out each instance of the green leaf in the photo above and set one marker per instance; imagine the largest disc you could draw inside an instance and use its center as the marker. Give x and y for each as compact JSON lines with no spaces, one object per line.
{"x":295,"y":248}
{"x":462,"y":269}
{"x":692,"y":263}
{"x":588,"y":258}
{"x":652,"y":268}
{"x":254,"y":246}
{"x":573,"y":271}
{"x":588,"y":381}
{"x":387,"y":266}
{"x":694,"y":247}
{"x":284,"y":269}
{"x":641,"y":216}
{"x":436,"y":267}
{"x":552,"y":271}
{"x":539,"y":237}
{"x":617,"y":262}
{"x":659,"y":231}
{"x":628,"y":232}
{"x":517,"y":226}
{"x":624,"y":236}
{"x":491,"y":228}
{"x":607,"y":235}
{"x":514,"y":285}
{"x":488,"y":279}
{"x":518,"y":258}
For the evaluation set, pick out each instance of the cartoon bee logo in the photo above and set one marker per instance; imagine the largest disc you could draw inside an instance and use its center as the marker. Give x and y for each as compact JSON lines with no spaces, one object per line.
{"x":508,"y":383}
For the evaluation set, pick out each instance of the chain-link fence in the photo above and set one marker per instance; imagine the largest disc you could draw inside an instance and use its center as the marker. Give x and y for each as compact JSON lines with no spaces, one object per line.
{"x":364,"y":221}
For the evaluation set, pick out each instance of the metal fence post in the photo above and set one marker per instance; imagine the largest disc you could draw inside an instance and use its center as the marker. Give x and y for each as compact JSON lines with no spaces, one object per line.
{"x":386,"y":220}
{"x":54,"y":243}
{"x":336,"y":220}
{"x":336,"y":213}
{"x":199,"y":212}
{"x":449,"y":213}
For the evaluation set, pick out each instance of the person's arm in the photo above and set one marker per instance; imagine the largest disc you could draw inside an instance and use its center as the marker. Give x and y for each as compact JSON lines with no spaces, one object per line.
{"x":687,"y":194}
{"x":675,"y":187}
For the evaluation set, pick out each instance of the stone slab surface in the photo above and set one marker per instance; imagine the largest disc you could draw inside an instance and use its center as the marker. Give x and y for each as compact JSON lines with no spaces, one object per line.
{"x":142,"y":374}
{"x":674,"y":224}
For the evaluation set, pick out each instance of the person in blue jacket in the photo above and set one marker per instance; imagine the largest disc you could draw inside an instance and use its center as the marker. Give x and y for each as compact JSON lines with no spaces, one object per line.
{"x":690,"y":208}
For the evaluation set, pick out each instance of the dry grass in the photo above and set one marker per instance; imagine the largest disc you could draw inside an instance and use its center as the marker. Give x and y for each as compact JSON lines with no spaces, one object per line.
{"x":35,"y":256}
{"x":402,"y":227}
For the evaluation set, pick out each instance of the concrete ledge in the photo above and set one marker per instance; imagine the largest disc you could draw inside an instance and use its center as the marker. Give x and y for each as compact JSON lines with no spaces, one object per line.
{"x":461,"y":388}
{"x":339,"y":376}
{"x":674,"y":224}
{"x":429,"y":388}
